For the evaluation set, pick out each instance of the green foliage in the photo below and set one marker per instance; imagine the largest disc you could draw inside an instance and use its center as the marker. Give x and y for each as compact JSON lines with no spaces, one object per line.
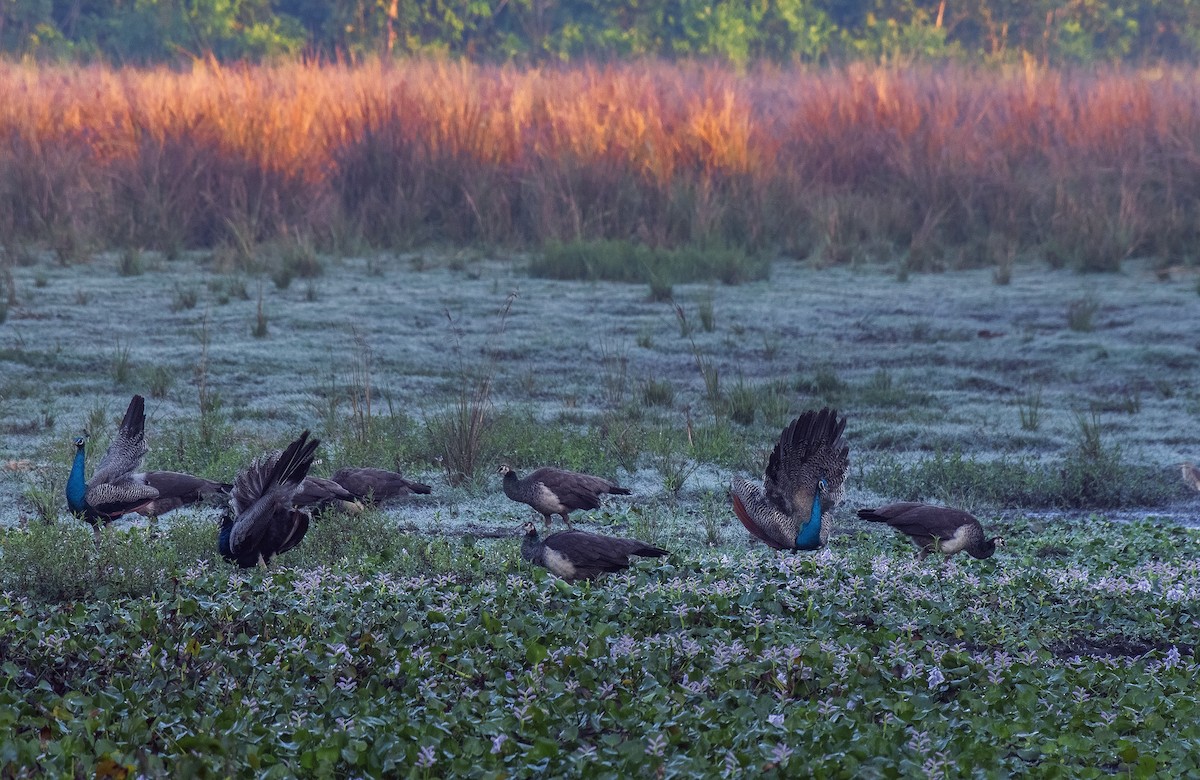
{"x":1090,"y":476}
{"x":1081,"y":313}
{"x":452,"y":658}
{"x":624,"y":261}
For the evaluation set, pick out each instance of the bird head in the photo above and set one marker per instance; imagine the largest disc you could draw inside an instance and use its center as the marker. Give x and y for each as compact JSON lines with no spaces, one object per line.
{"x":530,"y":530}
{"x":504,"y":470}
{"x":80,"y":441}
{"x":822,"y":485}
{"x":989,"y":547}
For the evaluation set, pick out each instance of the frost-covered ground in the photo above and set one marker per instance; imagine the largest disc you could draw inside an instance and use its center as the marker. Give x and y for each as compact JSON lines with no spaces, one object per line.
{"x":960,"y":357}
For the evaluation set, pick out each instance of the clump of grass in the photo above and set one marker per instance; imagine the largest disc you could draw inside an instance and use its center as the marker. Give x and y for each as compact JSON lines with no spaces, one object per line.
{"x":292,"y":258}
{"x":185,"y":298}
{"x":623,"y":261}
{"x":44,"y":492}
{"x":120,"y":363}
{"x":614,"y":373}
{"x":705,"y":311}
{"x":461,"y":431}
{"x":742,"y":402}
{"x":361,"y":415}
{"x":1030,"y":410}
{"x":259,"y":331}
{"x":159,"y":381}
{"x":824,"y":384}
{"x":131,"y":262}
{"x":1081,"y":314}
{"x":670,"y":456}
{"x":660,"y":291}
{"x":658,"y":392}
{"x":685,"y":325}
{"x":227,"y":288}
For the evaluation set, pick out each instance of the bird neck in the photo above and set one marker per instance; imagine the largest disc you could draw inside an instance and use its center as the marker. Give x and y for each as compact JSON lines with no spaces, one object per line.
{"x":809,"y":535}
{"x":223,"y":539}
{"x":529,"y":546}
{"x":76,"y":485}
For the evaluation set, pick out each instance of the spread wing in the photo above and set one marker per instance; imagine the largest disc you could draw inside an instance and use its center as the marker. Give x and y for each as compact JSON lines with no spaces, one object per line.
{"x":263,"y":493}
{"x":809,"y":450}
{"x":128,"y":447}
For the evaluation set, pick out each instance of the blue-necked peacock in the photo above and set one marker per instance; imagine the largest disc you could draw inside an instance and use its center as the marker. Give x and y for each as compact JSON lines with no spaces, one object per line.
{"x":117,"y":488}
{"x":804,"y":481}
{"x":112,"y":490}
{"x":262,"y":520}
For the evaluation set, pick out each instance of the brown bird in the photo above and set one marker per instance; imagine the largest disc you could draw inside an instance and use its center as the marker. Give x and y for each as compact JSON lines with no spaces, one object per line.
{"x":1191,"y":474}
{"x":318,"y":493}
{"x":176,"y":490}
{"x":577,"y":555}
{"x":377,"y":485}
{"x":804,"y":480}
{"x":936,"y":528}
{"x":553,"y":491}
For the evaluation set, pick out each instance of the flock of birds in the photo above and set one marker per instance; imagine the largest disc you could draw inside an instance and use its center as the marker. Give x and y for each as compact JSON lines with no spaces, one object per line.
{"x":270,"y":502}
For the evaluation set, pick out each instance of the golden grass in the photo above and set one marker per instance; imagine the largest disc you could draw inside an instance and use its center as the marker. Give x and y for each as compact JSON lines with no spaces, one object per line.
{"x":945,"y":166}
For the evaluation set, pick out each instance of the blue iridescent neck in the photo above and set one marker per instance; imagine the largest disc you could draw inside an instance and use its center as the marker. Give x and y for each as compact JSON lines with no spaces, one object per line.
{"x":809,"y":535}
{"x":76,"y":485}
{"x":223,"y":539}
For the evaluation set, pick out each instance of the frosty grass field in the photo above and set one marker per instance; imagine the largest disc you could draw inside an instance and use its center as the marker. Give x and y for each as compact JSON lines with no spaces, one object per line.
{"x":413,"y":641}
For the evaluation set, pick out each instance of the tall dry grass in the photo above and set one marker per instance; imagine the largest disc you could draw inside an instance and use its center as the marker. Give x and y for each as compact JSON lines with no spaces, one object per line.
{"x":947,"y":167}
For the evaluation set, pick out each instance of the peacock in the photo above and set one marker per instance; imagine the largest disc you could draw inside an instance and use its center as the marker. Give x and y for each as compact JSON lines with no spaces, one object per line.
{"x":262,"y":520}
{"x":804,"y":481}
{"x":553,"y":491}
{"x":377,"y":485}
{"x":936,"y":528}
{"x":576,"y":555}
{"x":117,"y":488}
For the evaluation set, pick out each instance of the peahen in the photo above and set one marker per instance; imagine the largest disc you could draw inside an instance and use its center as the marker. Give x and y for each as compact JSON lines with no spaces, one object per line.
{"x":262,"y":520}
{"x":377,"y":485}
{"x":176,"y":490}
{"x":553,"y":491}
{"x":936,"y":528}
{"x":319,"y":493}
{"x":117,"y":488}
{"x":804,"y":481}
{"x":1191,"y":475}
{"x":576,"y":555}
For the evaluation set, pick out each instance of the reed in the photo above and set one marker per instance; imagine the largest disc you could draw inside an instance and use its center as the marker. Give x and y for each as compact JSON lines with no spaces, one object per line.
{"x":938,"y":165}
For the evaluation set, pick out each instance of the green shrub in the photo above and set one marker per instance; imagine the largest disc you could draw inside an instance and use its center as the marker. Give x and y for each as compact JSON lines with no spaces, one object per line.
{"x":623,"y":261}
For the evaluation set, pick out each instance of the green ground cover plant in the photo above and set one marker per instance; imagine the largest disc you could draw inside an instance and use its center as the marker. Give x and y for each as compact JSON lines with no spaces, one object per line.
{"x":409,"y":656}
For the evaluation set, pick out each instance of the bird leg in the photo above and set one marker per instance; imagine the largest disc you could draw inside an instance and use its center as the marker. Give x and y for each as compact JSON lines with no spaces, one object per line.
{"x":547,"y":519}
{"x":567,"y":519}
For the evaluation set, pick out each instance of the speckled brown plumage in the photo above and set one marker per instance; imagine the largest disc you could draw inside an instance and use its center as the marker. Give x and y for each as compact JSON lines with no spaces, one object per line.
{"x":377,"y":485}
{"x":576,"y":555}
{"x":935,"y":528}
{"x":553,"y":491}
